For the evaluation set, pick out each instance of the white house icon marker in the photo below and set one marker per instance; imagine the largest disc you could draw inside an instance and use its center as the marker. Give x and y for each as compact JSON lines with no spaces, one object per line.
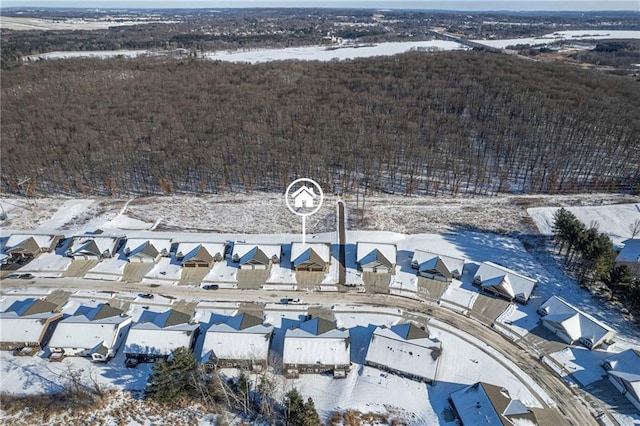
{"x":303,"y":197}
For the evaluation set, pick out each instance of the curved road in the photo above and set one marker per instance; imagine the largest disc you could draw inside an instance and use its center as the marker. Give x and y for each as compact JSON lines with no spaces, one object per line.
{"x":575,"y":411}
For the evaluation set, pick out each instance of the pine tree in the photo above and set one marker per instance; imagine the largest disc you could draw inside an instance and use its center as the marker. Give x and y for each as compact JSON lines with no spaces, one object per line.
{"x":172,"y":379}
{"x":294,"y":405}
{"x":310,"y":416}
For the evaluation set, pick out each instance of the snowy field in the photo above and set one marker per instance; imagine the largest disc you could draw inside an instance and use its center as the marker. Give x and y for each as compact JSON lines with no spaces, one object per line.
{"x":262,"y":213}
{"x":29,"y":24}
{"x":617,"y":221}
{"x":254,"y":56}
{"x":343,"y":51}
{"x":570,"y":35}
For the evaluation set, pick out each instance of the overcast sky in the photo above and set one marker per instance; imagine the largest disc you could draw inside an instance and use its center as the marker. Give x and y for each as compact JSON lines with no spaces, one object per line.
{"x":471,"y":5}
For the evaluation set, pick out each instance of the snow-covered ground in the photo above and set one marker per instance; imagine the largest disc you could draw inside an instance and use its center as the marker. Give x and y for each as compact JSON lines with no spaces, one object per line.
{"x":365,"y":388}
{"x":617,"y":221}
{"x":43,"y":24}
{"x":569,"y":35}
{"x":348,"y":51}
{"x":307,"y":53}
{"x":341,"y":52}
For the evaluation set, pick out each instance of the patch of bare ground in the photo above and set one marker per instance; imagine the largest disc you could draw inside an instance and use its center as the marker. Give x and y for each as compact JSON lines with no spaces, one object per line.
{"x":502,"y":214}
{"x":28,"y":213}
{"x":266,"y":213}
{"x":357,"y":418}
{"x":111,"y":407}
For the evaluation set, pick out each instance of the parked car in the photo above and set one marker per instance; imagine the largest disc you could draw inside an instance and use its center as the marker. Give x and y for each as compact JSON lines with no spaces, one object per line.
{"x":146,"y":295}
{"x":211,"y":286}
{"x":12,"y":276}
{"x":26,"y":276}
{"x":289,"y":301}
{"x":131,"y":363}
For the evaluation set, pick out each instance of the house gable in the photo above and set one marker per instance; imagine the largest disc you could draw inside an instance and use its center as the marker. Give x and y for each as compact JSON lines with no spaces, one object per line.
{"x":504,"y":282}
{"x":490,"y":404}
{"x":573,"y":325}
{"x":405,"y":349}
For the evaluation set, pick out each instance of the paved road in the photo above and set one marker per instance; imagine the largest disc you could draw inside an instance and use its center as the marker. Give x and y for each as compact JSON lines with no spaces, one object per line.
{"x":342,"y":237}
{"x":574,"y":409}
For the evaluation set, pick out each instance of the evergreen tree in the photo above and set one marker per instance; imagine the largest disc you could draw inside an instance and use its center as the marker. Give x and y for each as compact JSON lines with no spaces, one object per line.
{"x":294,"y":404}
{"x":172,"y":379}
{"x":311,"y":417}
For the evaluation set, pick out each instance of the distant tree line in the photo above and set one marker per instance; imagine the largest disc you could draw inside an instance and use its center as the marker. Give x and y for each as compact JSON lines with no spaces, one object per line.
{"x":590,"y":256}
{"x":418,"y":123}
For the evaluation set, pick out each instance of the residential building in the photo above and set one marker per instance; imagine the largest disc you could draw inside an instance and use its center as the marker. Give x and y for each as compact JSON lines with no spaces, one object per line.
{"x":160,"y":335}
{"x":96,"y":332}
{"x":242,"y":341}
{"x":437,"y":266}
{"x":256,"y":256}
{"x":503,"y":282}
{"x":27,"y":246}
{"x":95,"y":246}
{"x":629,"y":256}
{"x":486,"y":404}
{"x":317,"y":346}
{"x":27,"y":323}
{"x":311,"y":256}
{"x":623,"y":370}
{"x":143,"y":250}
{"x":574,"y":326}
{"x":406,"y":350}
{"x":199,"y":255}
{"x":376,"y":257}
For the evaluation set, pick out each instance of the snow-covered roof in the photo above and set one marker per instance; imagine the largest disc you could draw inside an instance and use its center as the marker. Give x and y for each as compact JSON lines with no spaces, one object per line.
{"x":505,"y":280}
{"x":96,"y":327}
{"x":188,"y":250}
{"x":25,"y":321}
{"x":630,"y":252}
{"x":486,"y":404}
{"x":370,"y":252}
{"x":44,"y":241}
{"x":164,"y":334}
{"x":405,"y":348}
{"x":135,"y":246}
{"x":247,"y":252}
{"x":626,"y":365}
{"x":317,"y":341}
{"x":241,"y":337}
{"x":93,"y":245}
{"x":573,"y":321}
{"x":424,"y":260}
{"x":302,"y":252}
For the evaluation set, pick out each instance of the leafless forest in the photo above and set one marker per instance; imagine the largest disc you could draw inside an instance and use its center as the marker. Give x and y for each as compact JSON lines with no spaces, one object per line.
{"x":420,"y":123}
